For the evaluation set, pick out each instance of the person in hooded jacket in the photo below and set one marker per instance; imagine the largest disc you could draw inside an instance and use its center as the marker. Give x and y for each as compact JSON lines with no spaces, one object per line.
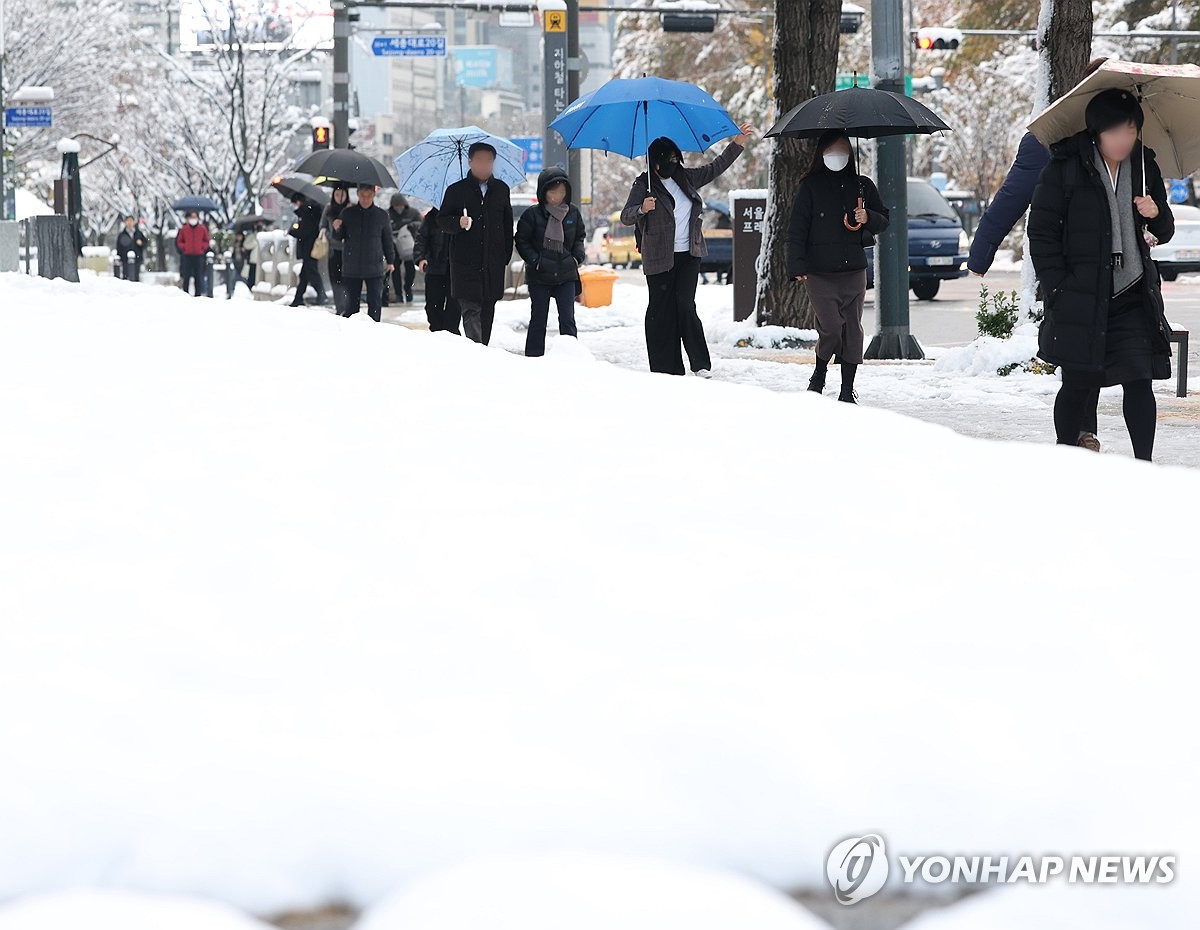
{"x":339,"y":198}
{"x":431,"y":252}
{"x":829,"y":257}
{"x":1099,"y":205}
{"x":305,"y":231}
{"x":403,"y":216}
{"x":131,"y":239}
{"x":672,"y":244}
{"x":551,"y":240}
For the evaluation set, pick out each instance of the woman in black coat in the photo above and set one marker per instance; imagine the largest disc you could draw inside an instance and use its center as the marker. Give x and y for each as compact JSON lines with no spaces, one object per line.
{"x":1088,"y":237}
{"x":339,"y":198}
{"x":431,"y":252}
{"x":305,"y":231}
{"x":551,"y":240}
{"x":830,"y":257}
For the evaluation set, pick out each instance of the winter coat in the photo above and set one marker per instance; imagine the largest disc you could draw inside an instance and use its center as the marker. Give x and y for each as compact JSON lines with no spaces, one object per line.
{"x":250,"y":244}
{"x":131,"y":242}
{"x":1070,"y":242}
{"x":432,"y":245}
{"x":192,"y":240}
{"x":1009,"y":204}
{"x":478,"y":256}
{"x":305,"y":229}
{"x":658,"y":226}
{"x":818,"y":240}
{"x":367,"y":242}
{"x":541,"y":266}
{"x":331,"y":212}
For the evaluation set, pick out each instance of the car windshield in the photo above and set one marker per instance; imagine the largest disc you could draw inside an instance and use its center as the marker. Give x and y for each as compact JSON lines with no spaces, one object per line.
{"x":924,"y":200}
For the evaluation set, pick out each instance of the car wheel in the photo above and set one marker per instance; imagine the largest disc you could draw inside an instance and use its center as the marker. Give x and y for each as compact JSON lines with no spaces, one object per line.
{"x":1168,"y":275}
{"x":926,"y":288}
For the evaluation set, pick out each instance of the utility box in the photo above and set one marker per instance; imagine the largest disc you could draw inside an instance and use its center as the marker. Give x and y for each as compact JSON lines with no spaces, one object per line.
{"x":748,"y":209}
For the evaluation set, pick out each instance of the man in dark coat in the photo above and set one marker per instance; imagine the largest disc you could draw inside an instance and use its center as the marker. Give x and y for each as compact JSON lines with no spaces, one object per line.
{"x":368,"y":252}
{"x":552,"y":241}
{"x":477,"y":214}
{"x":131,"y":239}
{"x":305,"y":231}
{"x":405,"y":222}
{"x":432,"y":255}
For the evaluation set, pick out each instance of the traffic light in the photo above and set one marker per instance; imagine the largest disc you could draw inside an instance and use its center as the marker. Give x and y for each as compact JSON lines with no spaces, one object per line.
{"x":320,"y":138}
{"x":687,"y":16}
{"x":937,"y":39}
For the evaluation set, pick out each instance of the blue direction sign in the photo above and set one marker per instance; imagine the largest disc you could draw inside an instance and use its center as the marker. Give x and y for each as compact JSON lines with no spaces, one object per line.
{"x":1180,"y":189}
{"x":34,"y":117}
{"x":409,"y":46}
{"x":532,"y":147}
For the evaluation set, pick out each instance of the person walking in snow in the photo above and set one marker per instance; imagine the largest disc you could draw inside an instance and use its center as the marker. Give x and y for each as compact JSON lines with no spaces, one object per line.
{"x":305,"y":231}
{"x":431,"y":252}
{"x":1104,"y":320}
{"x":835,"y":208}
{"x":131,"y":239}
{"x":193,"y":243}
{"x":405,"y":222}
{"x":551,"y":239}
{"x":665,"y":207}
{"x":477,"y":214}
{"x":368,"y":252}
{"x":338,"y":199}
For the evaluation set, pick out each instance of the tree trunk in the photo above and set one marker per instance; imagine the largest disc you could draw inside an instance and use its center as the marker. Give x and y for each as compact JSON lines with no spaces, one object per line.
{"x":1065,"y":30}
{"x":806,"y":53}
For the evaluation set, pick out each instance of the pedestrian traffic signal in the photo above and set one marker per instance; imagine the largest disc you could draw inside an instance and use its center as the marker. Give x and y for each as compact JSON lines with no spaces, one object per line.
{"x":687,"y":15}
{"x":320,"y":137}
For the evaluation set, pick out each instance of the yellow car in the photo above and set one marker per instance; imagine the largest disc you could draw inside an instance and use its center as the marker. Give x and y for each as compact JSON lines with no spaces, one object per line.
{"x":619,"y":246}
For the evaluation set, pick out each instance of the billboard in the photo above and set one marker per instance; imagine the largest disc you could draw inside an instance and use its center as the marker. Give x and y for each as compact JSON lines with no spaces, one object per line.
{"x":482,"y":66}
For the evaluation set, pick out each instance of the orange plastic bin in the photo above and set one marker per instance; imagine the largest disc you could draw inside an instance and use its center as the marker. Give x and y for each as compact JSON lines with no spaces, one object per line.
{"x":597,"y":286}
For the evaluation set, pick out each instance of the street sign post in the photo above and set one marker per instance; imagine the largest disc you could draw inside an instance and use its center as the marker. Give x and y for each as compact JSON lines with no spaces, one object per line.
{"x":532,"y":147}
{"x":409,"y":46}
{"x":555,"y":95}
{"x":28,"y":117}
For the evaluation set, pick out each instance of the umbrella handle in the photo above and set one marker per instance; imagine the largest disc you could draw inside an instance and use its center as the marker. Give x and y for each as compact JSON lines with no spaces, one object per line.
{"x":854,"y":227}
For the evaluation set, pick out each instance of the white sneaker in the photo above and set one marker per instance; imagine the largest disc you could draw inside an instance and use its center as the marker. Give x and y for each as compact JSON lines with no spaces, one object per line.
{"x":703,"y":373}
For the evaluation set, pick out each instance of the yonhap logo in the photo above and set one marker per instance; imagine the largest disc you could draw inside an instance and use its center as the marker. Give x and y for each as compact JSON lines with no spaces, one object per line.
{"x":857,"y":867}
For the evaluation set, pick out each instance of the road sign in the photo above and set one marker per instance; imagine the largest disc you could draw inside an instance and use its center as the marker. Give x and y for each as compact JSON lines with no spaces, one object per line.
{"x":32,"y":117}
{"x":532,"y":147}
{"x":846,"y":81}
{"x":409,"y":46}
{"x":556,"y":20}
{"x":1180,"y":190}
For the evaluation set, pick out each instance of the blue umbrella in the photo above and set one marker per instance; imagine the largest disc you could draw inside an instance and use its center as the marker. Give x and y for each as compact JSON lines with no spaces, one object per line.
{"x":197,"y":202}
{"x":626,"y":115}
{"x":440,"y":159}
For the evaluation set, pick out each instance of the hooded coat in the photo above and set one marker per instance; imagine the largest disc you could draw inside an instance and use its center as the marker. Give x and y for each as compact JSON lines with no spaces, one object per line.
{"x":1070,"y":242}
{"x":306,"y":228}
{"x":479,"y":255}
{"x":542,"y":266}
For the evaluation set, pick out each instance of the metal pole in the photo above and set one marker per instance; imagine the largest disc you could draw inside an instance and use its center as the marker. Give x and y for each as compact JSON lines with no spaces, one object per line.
{"x":893,"y":339}
{"x":1174,"y":25}
{"x":6,"y":210}
{"x":341,"y":73}
{"x":574,"y":68}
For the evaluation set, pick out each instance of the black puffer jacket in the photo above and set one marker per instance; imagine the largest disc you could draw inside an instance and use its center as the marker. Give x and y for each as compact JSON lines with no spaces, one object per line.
{"x":818,"y":240}
{"x":432,"y":245}
{"x":542,"y":266}
{"x":1070,"y":242}
{"x":306,"y":228}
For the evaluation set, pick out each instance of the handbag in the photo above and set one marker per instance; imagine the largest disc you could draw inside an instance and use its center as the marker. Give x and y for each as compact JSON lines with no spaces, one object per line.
{"x":405,"y":243}
{"x":320,"y":248}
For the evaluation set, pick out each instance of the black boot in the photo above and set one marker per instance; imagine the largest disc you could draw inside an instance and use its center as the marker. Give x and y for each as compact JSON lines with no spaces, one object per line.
{"x":817,"y":381}
{"x":847,"y":395}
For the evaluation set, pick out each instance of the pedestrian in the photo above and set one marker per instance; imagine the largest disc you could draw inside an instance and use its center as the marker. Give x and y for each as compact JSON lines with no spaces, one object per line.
{"x":192,"y":242}
{"x":1008,"y":206}
{"x":1098,"y":198}
{"x":405,"y":222}
{"x":253,"y":252}
{"x":477,"y":214}
{"x":672,"y":243}
{"x":431,"y":252}
{"x":829,"y":257}
{"x":551,"y":239}
{"x":338,"y":199}
{"x":305,"y":231}
{"x":368,"y":252}
{"x":131,"y":240}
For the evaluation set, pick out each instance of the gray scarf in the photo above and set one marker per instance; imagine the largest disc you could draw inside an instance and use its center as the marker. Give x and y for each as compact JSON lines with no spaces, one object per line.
{"x":1127,"y":253}
{"x":555,"y":236}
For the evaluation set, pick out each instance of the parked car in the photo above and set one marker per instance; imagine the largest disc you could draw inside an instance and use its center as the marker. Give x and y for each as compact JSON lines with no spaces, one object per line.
{"x":937,"y":242}
{"x":1182,"y":254}
{"x":620,"y":248}
{"x":595,"y":246}
{"x":717,"y":226}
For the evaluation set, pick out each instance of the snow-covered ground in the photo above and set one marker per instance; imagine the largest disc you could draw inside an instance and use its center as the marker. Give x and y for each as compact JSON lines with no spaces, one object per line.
{"x":297,"y":609}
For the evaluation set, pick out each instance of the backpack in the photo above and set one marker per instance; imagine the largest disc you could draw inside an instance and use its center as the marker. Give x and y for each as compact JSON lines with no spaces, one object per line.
{"x":403,"y":238}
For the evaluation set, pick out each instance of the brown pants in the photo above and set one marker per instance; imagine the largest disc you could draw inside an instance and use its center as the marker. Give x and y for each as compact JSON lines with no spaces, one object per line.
{"x":838,"y":302}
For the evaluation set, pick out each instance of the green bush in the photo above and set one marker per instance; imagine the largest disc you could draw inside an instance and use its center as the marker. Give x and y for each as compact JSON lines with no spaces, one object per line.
{"x":997,"y":314}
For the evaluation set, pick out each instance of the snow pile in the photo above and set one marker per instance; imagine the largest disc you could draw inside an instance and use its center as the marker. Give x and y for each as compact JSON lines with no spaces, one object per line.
{"x":299,"y":607}
{"x":115,"y":910}
{"x":584,"y":892}
{"x":986,"y":355}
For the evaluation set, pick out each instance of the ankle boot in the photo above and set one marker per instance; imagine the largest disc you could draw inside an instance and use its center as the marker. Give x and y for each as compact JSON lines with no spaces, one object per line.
{"x":847,"y":395}
{"x":817,"y":381}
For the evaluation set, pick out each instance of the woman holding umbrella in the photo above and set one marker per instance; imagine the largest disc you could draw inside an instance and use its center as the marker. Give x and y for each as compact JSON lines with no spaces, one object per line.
{"x":337,"y":202}
{"x":835,"y":209}
{"x":1097,"y":199}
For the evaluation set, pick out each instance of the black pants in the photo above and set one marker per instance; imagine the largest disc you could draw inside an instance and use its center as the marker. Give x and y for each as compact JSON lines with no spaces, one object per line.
{"x":1076,"y":403}
{"x":191,"y":268}
{"x":354,"y":289}
{"x":251,"y":273}
{"x":540,"y":296}
{"x":671,"y":318}
{"x":310,"y":273}
{"x":403,"y":276}
{"x":335,"y":279}
{"x":477,"y":320}
{"x":440,"y":308}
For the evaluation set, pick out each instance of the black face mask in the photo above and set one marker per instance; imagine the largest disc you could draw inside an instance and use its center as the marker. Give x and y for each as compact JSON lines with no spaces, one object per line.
{"x":667,"y":169}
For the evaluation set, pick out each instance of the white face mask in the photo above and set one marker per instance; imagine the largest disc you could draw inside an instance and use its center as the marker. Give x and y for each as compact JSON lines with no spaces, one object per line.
{"x":835,"y":161}
{"x":193,"y":221}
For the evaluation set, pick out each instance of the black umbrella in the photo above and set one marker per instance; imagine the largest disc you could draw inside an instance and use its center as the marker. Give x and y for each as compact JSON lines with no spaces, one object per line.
{"x":196,"y":202}
{"x":300,"y":184}
{"x":346,"y":166}
{"x":242,"y":222}
{"x":861,"y":112}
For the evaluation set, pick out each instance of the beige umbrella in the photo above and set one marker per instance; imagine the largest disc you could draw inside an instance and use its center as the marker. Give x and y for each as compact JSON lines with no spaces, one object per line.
{"x":1170,"y":98}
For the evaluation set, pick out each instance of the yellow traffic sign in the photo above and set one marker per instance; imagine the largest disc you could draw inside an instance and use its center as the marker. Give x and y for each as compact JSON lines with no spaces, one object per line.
{"x":556,"y":21}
